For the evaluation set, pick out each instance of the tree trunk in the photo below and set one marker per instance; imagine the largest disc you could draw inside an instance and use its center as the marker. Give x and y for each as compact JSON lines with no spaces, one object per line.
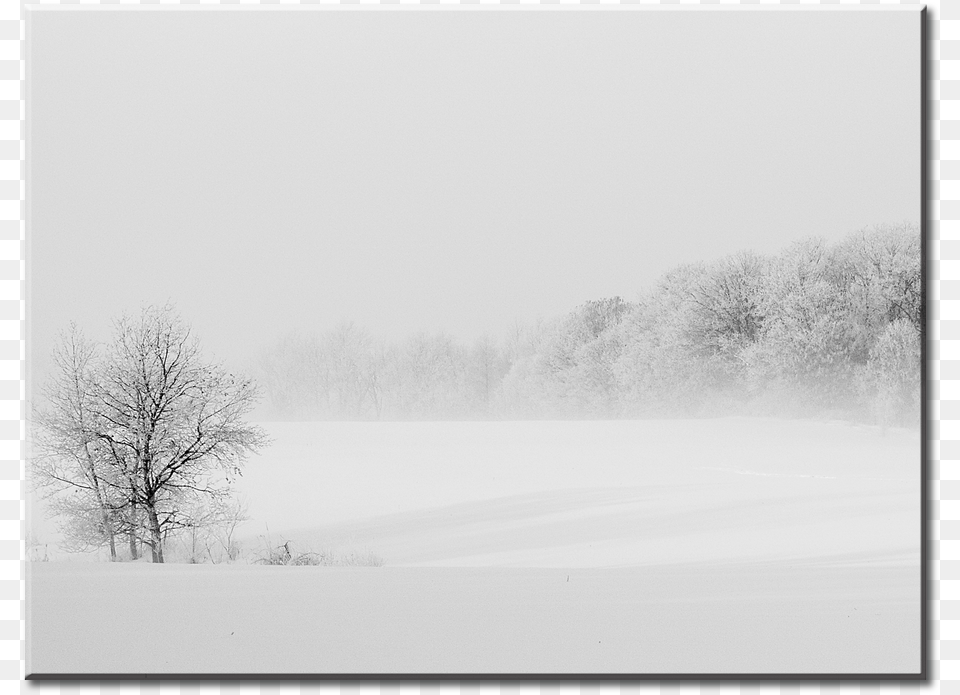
{"x":101,"y":502}
{"x":132,"y":537}
{"x":108,"y":525}
{"x":156,"y":538}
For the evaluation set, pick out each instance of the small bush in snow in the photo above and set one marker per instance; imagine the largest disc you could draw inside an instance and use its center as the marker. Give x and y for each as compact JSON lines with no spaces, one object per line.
{"x":283,"y":555}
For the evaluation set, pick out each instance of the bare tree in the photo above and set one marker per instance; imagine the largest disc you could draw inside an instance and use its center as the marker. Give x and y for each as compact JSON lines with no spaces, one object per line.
{"x":231,"y":516}
{"x":70,"y":462}
{"x":167,"y":427}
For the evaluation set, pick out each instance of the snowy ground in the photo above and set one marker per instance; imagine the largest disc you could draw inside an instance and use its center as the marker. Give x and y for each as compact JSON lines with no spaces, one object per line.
{"x":588,"y":494}
{"x":730,"y":545}
{"x":773,"y":618}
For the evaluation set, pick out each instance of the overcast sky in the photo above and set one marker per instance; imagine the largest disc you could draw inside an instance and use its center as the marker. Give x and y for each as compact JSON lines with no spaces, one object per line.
{"x":450,"y":171}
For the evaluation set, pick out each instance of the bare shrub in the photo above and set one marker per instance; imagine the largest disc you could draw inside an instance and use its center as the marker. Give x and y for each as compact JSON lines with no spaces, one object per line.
{"x":285,"y":555}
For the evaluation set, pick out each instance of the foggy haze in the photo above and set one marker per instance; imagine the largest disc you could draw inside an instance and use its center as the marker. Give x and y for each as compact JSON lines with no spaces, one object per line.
{"x":275,"y":171}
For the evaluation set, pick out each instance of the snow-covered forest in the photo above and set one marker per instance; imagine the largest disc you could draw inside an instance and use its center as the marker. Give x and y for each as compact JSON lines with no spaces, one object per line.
{"x":817,"y":330}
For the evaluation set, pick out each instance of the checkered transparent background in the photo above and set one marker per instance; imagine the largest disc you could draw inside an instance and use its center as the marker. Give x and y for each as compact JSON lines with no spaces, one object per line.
{"x":943,"y":134}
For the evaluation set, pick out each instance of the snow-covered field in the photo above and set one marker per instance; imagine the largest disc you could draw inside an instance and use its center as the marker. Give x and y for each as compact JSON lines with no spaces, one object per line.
{"x":734,"y":545}
{"x":773,"y":618}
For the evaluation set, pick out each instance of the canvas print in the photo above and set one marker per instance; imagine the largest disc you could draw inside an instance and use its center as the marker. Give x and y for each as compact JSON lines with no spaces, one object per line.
{"x":527,"y":342}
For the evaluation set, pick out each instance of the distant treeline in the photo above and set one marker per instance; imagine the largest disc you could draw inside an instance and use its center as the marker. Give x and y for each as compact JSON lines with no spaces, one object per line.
{"x":818,"y":330}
